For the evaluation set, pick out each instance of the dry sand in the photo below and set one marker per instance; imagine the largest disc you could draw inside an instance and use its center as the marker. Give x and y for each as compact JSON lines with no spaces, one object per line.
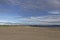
{"x":29,"y":33}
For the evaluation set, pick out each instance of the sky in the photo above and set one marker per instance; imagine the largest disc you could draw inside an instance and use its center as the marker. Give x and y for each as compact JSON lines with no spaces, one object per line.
{"x":30,"y":12}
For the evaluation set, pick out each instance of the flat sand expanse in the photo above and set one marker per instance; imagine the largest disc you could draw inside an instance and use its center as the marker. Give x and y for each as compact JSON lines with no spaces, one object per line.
{"x":29,"y":33}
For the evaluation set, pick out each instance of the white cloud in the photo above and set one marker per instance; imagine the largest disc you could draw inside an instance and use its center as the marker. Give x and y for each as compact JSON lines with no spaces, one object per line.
{"x":6,"y":21}
{"x":50,"y":19}
{"x":39,"y":20}
{"x":54,"y":12}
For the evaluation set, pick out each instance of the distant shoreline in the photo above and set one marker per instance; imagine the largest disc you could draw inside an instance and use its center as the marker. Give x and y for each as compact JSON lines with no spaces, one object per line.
{"x":33,"y":25}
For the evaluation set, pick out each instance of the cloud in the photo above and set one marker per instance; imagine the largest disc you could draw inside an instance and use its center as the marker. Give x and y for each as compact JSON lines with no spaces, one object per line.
{"x":34,"y":4}
{"x":5,"y":21}
{"x":51,"y":6}
{"x":44,"y":20}
{"x":54,"y":12}
{"x":38,"y":20}
{"x":9,"y":19}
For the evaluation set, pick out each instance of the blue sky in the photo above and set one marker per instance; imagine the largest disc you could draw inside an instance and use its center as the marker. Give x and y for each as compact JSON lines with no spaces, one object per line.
{"x":36,"y":12}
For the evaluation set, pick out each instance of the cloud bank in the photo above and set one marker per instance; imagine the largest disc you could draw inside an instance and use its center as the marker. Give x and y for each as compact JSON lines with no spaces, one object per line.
{"x":42,"y":20}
